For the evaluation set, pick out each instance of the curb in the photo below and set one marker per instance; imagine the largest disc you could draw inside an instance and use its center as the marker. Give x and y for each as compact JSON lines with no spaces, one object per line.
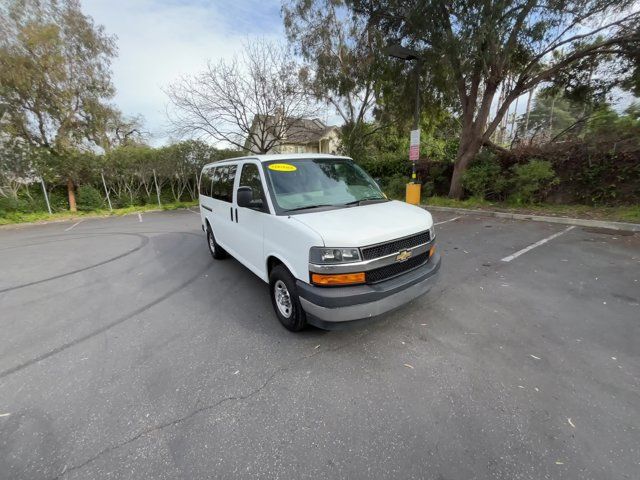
{"x":581,"y":222}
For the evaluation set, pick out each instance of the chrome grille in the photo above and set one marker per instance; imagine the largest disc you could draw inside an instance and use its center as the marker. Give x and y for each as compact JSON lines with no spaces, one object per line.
{"x":395,"y":269}
{"x":383,"y":249}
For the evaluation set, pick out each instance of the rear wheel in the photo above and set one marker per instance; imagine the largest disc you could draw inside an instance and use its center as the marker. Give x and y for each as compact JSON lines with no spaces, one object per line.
{"x":216,"y":250}
{"x":285,"y":300}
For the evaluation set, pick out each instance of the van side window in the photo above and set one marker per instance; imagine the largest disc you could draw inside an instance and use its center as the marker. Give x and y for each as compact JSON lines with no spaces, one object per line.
{"x":231,"y":177}
{"x":250,"y":177}
{"x":215,"y":182}
{"x":223,"y":178}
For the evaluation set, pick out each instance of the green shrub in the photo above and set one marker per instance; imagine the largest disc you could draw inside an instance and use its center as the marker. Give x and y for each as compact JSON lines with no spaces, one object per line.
{"x":89,"y":198}
{"x":58,"y":199}
{"x":532,"y":180}
{"x":485,"y":178}
{"x":386,"y":165}
{"x":395,"y":187}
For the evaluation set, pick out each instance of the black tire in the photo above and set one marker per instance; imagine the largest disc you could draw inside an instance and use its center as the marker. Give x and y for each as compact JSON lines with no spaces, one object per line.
{"x":216,"y":250}
{"x":280,"y":278}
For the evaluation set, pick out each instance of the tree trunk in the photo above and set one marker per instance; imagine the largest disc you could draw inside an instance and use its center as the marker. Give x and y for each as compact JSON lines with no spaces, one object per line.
{"x":469,"y":147}
{"x":72,"y":196}
{"x":526,"y":118}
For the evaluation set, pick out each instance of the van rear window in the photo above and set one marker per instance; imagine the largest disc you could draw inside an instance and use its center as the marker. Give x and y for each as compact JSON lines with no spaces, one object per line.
{"x":205,"y":181}
{"x":217,"y":182}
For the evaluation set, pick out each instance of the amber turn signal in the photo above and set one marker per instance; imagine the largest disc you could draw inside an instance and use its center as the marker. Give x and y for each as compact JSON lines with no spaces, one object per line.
{"x":337,"y":279}
{"x":432,"y":250}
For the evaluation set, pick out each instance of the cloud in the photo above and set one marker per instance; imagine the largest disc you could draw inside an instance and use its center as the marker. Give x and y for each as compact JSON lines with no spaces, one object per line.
{"x":159,"y":41}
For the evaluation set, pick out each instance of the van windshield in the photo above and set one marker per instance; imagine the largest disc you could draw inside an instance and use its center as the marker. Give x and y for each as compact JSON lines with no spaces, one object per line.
{"x":319,"y":182}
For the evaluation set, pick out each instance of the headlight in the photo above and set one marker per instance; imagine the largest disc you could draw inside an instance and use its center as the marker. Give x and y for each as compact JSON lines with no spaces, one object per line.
{"x":432,"y":232}
{"x":324,"y":255}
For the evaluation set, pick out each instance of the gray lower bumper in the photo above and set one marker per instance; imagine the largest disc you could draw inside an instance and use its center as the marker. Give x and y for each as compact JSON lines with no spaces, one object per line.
{"x":332,"y":306}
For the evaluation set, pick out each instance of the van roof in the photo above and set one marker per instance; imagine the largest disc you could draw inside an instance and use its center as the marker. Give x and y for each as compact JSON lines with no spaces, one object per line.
{"x":279,"y":156}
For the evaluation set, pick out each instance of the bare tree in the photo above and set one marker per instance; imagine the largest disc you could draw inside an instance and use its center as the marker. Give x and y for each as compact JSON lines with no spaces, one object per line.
{"x":250,"y":102}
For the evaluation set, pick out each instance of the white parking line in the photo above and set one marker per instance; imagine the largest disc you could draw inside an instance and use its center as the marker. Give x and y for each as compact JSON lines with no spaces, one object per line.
{"x":74,"y":225}
{"x":537,"y":244}
{"x":139,"y":217}
{"x":450,"y":220}
{"x":192,"y":211}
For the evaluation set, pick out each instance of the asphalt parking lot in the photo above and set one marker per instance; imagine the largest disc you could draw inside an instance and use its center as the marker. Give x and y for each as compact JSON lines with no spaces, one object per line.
{"x":127,"y":352}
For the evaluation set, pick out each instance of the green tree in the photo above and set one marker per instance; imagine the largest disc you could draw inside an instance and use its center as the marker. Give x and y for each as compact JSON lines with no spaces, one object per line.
{"x":486,"y":50}
{"x":55,"y":80}
{"x":343,"y":61}
{"x":550,"y":116}
{"x":15,"y":166}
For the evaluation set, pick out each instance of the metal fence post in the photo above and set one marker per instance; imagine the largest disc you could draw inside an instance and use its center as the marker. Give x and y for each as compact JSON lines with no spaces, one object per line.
{"x":157,"y":189}
{"x":46,"y":196}
{"x":106,"y":191}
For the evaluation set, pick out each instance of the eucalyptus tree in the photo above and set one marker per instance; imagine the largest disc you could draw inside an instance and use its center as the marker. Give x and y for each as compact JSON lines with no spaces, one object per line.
{"x":490,"y":53}
{"x":55,"y":79}
{"x":343,"y":61}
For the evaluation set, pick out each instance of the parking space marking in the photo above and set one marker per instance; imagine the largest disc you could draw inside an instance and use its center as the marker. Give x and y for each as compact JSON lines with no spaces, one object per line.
{"x":445,"y":221}
{"x":537,"y":244}
{"x":72,"y":226}
{"x":139,"y":217}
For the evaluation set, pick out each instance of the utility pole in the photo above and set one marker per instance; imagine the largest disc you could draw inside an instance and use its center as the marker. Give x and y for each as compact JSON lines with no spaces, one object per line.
{"x":406,"y":54}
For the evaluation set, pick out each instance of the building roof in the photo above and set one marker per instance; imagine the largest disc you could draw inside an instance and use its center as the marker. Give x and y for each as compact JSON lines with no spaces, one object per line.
{"x":279,"y":156}
{"x":301,"y":130}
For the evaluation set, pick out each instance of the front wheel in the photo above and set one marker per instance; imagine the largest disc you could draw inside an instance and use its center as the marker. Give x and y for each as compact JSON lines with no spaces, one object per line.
{"x":285,"y":300}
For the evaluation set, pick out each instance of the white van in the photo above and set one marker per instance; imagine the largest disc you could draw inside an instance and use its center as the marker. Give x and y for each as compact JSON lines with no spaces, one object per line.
{"x":319,"y":230}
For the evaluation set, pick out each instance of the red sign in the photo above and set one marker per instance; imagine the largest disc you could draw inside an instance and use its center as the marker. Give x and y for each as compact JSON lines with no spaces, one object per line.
{"x":414,"y":152}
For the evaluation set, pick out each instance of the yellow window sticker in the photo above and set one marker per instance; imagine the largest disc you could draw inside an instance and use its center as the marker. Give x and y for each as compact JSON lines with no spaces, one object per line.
{"x":282,"y":167}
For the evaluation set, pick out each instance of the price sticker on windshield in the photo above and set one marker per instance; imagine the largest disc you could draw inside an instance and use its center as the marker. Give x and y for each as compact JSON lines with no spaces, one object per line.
{"x":282,"y":167}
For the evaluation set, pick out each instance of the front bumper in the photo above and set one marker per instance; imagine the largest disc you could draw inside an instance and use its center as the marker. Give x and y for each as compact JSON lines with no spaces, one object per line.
{"x":329,"y":307}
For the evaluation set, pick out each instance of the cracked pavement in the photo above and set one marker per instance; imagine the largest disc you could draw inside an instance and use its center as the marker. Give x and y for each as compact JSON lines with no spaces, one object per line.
{"x":127,"y":352}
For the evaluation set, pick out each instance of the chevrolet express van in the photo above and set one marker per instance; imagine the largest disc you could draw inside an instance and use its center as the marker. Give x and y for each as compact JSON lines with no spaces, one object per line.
{"x":318,"y":229}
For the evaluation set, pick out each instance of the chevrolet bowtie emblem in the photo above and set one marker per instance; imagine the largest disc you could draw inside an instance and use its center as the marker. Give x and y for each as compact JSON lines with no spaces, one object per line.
{"x":404,"y":255}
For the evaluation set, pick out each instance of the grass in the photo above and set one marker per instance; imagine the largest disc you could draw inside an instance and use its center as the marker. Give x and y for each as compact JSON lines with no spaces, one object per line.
{"x":630,"y":213}
{"x":18,"y":217}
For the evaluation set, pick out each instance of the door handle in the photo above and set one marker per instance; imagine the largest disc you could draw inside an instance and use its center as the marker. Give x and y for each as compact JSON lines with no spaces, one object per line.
{"x":231,"y":212}
{"x":236,"y":215}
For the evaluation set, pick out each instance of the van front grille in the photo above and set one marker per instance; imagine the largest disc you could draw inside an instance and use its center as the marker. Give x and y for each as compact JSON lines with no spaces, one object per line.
{"x":395,"y":269}
{"x":383,"y":249}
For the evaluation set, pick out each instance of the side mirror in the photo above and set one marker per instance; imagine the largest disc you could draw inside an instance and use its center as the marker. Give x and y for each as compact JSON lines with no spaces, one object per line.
{"x":244,"y":196}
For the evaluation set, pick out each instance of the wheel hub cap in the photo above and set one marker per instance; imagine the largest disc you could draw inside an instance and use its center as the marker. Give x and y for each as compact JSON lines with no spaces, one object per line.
{"x":283,"y":299}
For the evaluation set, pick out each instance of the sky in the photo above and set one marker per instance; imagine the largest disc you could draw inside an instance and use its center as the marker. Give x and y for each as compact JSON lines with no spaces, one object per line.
{"x":161,"y":40}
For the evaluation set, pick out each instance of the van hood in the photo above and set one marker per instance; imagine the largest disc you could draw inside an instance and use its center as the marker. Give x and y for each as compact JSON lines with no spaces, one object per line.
{"x":366,"y":224}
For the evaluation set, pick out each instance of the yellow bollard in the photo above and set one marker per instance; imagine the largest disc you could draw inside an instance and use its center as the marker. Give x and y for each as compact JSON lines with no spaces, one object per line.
{"x":413,"y":193}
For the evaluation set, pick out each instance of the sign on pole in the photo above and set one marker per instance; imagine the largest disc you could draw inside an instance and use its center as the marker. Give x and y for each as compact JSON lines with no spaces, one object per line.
{"x":414,"y":145}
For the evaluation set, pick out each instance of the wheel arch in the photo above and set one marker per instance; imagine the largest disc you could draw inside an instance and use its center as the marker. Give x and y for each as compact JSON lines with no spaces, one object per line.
{"x":273,"y":260}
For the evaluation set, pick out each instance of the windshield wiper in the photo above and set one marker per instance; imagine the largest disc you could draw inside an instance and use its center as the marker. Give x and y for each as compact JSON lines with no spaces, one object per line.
{"x":366,"y":199}
{"x":310,"y":206}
